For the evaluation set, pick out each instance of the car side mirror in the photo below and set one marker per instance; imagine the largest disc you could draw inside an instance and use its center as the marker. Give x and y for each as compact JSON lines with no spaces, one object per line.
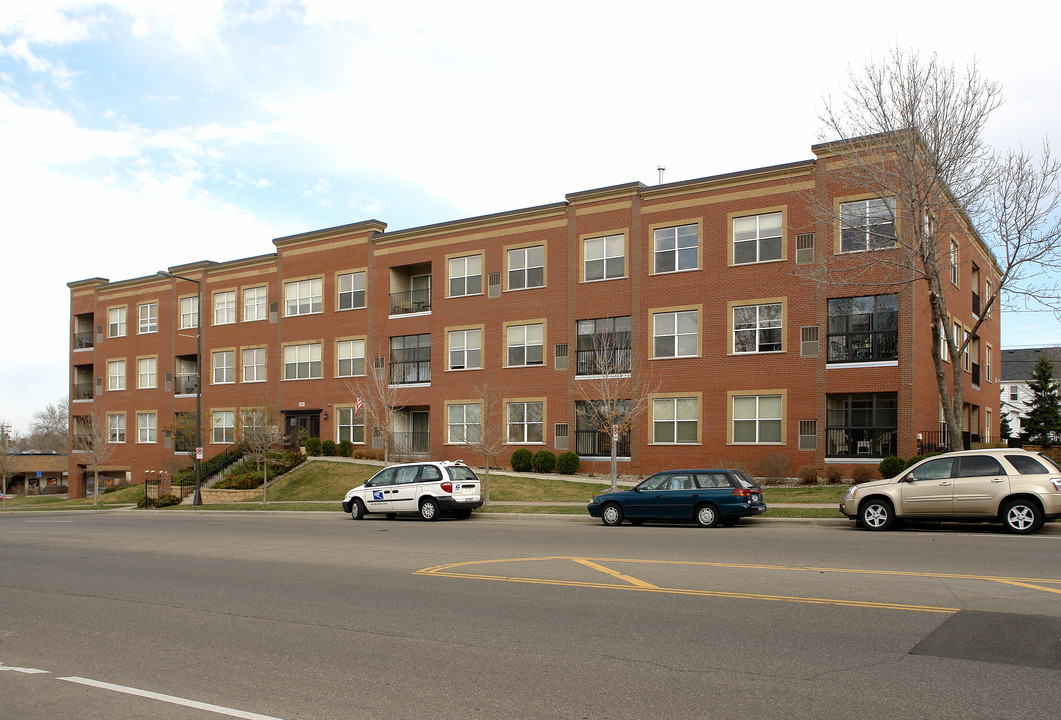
{"x":909,"y":478}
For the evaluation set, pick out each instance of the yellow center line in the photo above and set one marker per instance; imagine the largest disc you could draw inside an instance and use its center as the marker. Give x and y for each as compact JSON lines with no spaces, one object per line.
{"x":618,"y":575}
{"x":1029,"y":585}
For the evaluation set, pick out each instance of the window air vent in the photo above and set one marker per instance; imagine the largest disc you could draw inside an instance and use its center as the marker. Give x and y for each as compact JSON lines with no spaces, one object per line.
{"x":805,"y":248}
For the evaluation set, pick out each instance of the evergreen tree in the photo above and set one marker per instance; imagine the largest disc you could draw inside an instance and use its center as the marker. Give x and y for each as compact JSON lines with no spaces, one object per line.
{"x":1005,"y":431}
{"x":1043,"y":421}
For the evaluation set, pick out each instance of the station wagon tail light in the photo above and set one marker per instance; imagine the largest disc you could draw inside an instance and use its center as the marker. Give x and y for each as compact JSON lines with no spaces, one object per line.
{"x":743,"y":492}
{"x":447,"y":486}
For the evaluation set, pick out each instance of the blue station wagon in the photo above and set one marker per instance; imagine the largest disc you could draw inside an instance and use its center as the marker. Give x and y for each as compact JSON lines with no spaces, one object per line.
{"x":707,"y":497}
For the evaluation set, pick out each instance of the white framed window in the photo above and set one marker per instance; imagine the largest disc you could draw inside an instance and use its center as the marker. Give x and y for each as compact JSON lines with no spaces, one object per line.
{"x":350,"y":425}
{"x":675,"y":420}
{"x":466,"y":275}
{"x":350,"y":287}
{"x":463,"y":423}
{"x":757,"y":419}
{"x":954,"y":263}
{"x":189,"y":312}
{"x":605,"y":258}
{"x":757,"y":238}
{"x":350,"y":358}
{"x":987,"y":364}
{"x":224,"y":367}
{"x":525,"y":345}
{"x":526,"y":422}
{"x":224,"y":424}
{"x":465,"y":349}
{"x":225,"y":307}
{"x":757,"y":328}
{"x":254,"y":365}
{"x":147,"y":372}
{"x":303,"y":297}
{"x":867,"y":224}
{"x":255,"y":304}
{"x":116,"y":322}
{"x":675,"y":334}
{"x":148,"y":318}
{"x":146,"y":427}
{"x":302,"y":362}
{"x":526,"y":267}
{"x":676,"y":248}
{"x":115,"y":374}
{"x":116,"y":427}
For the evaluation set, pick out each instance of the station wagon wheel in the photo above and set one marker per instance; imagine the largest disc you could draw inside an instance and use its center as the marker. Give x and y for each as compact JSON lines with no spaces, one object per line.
{"x":876,"y":514}
{"x":611,"y":514}
{"x":429,"y":509}
{"x":1022,"y":517}
{"x":357,"y":510}
{"x":706,"y":515}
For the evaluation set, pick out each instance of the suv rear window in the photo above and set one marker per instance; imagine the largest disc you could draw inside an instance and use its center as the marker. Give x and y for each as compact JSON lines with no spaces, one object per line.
{"x":1026,"y":465}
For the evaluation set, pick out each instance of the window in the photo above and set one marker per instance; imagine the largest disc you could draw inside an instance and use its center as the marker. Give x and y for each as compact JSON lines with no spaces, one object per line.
{"x":254,"y":304}
{"x":1014,"y":395}
{"x":224,"y":426}
{"x":350,"y":356}
{"x":116,"y":322}
{"x":526,"y":345}
{"x":944,"y":352}
{"x":1026,"y":465}
{"x":466,"y":275}
{"x":465,"y":349}
{"x":189,"y":312}
{"x":867,"y":225}
{"x":603,"y":346}
{"x":303,"y":297}
{"x":254,"y":365}
{"x":757,"y":238}
{"x":147,"y":372}
{"x":605,"y":258}
{"x":146,"y":427}
{"x":808,"y":434}
{"x":757,"y":419}
{"x":954,"y":263}
{"x":676,"y":248}
{"x":302,"y":362}
{"x":350,"y":288}
{"x":965,"y":352}
{"x":224,"y":367}
{"x":410,"y":360}
{"x":676,"y":334}
{"x":675,"y":420}
{"x":463,"y":423}
{"x":116,"y":427}
{"x":148,"y":318}
{"x":757,"y":328}
{"x":526,"y":422}
{"x":351,"y":425}
{"x":864,"y":329}
{"x":526,"y":267}
{"x":987,"y":364}
{"x":115,"y":374}
{"x":861,"y":425}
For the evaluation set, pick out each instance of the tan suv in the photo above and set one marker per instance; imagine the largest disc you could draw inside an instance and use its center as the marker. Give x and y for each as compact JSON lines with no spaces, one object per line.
{"x":1017,"y":488}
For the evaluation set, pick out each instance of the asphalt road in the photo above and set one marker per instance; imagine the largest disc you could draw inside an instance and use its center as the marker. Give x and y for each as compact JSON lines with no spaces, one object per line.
{"x":131,"y":614}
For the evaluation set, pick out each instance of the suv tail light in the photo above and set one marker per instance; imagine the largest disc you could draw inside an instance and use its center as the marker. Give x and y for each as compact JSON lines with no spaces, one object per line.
{"x":447,"y":486}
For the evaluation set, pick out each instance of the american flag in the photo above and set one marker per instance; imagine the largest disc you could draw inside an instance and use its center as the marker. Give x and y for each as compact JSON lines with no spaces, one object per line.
{"x":357,"y":404}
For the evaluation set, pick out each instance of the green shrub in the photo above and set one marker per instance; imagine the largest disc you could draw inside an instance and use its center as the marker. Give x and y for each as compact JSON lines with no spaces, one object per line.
{"x":914,"y":460}
{"x":833,"y":475}
{"x":567,"y":463}
{"x":807,"y":475}
{"x":891,"y":466}
{"x":313,"y":447}
{"x":522,"y":460}
{"x":544,"y":461}
{"x":329,"y":448}
{"x":862,"y":473}
{"x":240,"y":481}
{"x":346,"y":448}
{"x":145,"y":502}
{"x":167,"y":500}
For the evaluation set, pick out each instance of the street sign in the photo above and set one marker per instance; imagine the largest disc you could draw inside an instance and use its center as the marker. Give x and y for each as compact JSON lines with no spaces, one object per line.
{"x":198,"y":453}
{"x":615,"y":433}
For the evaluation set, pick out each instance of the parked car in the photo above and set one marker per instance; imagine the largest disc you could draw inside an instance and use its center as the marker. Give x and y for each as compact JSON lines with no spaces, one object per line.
{"x":707,"y":497}
{"x":427,"y":488}
{"x":1017,"y":488}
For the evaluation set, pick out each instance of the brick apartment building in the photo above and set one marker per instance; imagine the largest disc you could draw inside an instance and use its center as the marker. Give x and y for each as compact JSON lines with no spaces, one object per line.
{"x":702,"y":285}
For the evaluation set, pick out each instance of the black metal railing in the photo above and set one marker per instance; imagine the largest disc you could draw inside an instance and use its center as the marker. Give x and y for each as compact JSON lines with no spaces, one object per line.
{"x":591,"y":443}
{"x":603,"y":362}
{"x":860,"y":442}
{"x":412,"y":301}
{"x":933,"y":441}
{"x":410,"y":443}
{"x":83,"y":391}
{"x":83,"y":340}
{"x":185,"y":384}
{"x":976,"y":374}
{"x":408,"y":372}
{"x":976,"y":304}
{"x":864,"y":346}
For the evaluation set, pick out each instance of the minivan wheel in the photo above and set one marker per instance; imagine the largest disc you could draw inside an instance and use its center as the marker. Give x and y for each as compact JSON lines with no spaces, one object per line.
{"x":429,"y":509}
{"x":357,"y":510}
{"x":611,"y":514}
{"x":1022,"y":517}
{"x":707,"y":516}
{"x":876,"y":515}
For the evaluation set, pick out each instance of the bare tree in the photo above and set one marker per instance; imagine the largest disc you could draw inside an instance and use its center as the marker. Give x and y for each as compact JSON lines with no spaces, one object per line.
{"x":6,"y":459}
{"x":380,"y":399}
{"x":909,"y":132}
{"x":484,"y":431}
{"x":260,"y":431}
{"x":92,"y":438}
{"x":51,"y":426}
{"x":614,"y":389}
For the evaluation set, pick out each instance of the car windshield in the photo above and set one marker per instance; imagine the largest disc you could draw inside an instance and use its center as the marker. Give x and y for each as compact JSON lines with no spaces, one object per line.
{"x":656,"y":482}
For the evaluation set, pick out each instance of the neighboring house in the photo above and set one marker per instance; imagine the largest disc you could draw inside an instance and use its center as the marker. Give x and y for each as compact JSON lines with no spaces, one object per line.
{"x":1016,"y":369}
{"x":705,"y":285}
{"x":38,"y":470}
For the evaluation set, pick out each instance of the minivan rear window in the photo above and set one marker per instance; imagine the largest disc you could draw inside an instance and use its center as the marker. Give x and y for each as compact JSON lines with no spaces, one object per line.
{"x":460,"y":472}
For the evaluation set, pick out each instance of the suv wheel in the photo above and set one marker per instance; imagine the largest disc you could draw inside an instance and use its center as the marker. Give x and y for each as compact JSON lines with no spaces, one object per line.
{"x":357,"y":510}
{"x":876,"y":515}
{"x":429,"y":509}
{"x":1022,"y":517}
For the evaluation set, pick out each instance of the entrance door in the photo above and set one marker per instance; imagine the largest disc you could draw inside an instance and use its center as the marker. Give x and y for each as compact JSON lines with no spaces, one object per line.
{"x":295,"y":422}
{"x":420,"y":440}
{"x":421,"y":295}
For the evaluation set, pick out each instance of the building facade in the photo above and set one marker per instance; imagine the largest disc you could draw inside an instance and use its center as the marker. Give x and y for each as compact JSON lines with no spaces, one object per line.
{"x":706,"y":290}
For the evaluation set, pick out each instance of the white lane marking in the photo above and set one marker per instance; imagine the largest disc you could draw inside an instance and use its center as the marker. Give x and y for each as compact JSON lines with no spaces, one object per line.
{"x":27,"y":671}
{"x":170,"y":699}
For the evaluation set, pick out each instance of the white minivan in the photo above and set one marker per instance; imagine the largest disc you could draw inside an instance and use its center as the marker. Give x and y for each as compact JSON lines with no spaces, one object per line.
{"x":426,"y":488}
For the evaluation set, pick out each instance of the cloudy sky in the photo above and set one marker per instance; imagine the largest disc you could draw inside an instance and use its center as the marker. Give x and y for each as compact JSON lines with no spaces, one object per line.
{"x":139,"y":134}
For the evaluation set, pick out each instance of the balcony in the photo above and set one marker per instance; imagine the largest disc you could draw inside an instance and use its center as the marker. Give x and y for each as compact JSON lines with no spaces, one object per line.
{"x":83,"y":332}
{"x":83,"y":340}
{"x":186,"y":384}
{"x":860,"y":442}
{"x":595,"y":444}
{"x":82,"y":391}
{"x":976,"y":304}
{"x":411,"y":301}
{"x":615,"y":361}
{"x":410,"y":289}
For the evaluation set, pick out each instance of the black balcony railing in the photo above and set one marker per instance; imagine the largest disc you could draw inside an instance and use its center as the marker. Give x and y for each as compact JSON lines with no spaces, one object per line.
{"x":83,"y":340}
{"x":413,"y":301}
{"x":860,"y":442}
{"x":976,"y":304}
{"x":603,"y":362}
{"x":405,"y":373}
{"x":410,"y":443}
{"x":185,"y":384}
{"x":83,"y":391}
{"x":934,"y":441}
{"x":864,"y":346}
{"x":591,"y":443}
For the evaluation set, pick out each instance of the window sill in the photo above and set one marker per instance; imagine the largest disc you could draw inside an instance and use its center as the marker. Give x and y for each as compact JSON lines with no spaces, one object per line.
{"x":674,"y":272}
{"x":758,"y":262}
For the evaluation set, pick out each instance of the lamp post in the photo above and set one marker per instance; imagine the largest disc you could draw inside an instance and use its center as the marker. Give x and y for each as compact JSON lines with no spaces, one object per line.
{"x":197,"y":498}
